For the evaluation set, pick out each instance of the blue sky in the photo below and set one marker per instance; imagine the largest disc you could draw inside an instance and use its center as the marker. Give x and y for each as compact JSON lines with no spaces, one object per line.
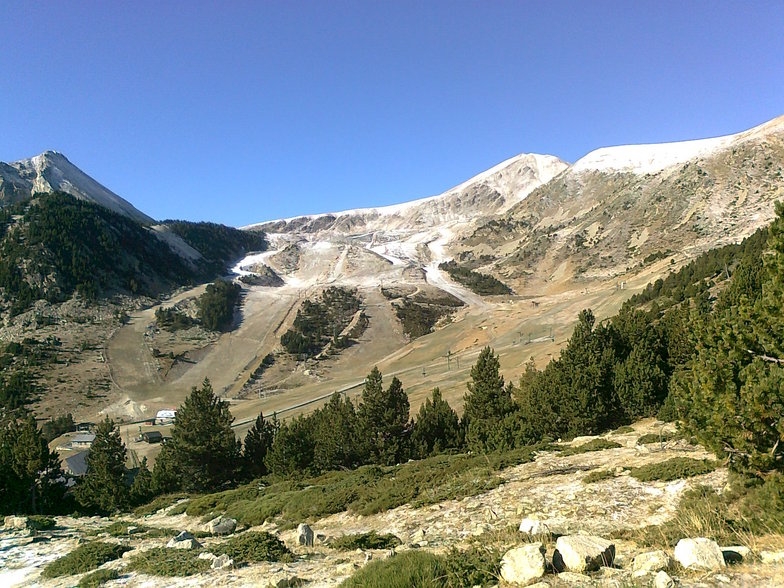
{"x":238,"y":112}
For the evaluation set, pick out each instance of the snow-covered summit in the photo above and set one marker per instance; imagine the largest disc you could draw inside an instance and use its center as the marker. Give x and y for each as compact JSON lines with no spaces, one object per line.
{"x":652,"y":158}
{"x":52,"y":172}
{"x":492,"y":191}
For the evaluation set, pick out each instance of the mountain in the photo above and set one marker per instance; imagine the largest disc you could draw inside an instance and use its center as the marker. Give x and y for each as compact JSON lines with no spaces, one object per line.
{"x":621,"y":207}
{"x":52,"y":172}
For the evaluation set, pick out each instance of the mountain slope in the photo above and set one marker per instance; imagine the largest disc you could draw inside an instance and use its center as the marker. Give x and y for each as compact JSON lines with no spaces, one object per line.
{"x":620,"y":207}
{"x":52,"y":172}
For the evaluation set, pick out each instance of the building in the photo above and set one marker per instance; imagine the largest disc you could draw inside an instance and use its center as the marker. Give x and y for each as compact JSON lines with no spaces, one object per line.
{"x":165,"y":417}
{"x":76,"y":464}
{"x":152,"y":436}
{"x":83,"y":441}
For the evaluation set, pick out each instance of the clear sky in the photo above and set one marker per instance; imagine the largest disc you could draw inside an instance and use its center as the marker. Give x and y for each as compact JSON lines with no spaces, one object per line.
{"x":238,"y":112}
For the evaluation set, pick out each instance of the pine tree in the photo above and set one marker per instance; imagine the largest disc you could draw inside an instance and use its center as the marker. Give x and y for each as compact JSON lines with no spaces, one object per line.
{"x":142,"y":487}
{"x":336,"y":434}
{"x":732,"y":397}
{"x":30,"y":473}
{"x":292,"y":450}
{"x":488,"y":403}
{"x":103,"y":487}
{"x":203,"y":445}
{"x":436,"y":428}
{"x":640,"y":382}
{"x":257,"y":443}
{"x":383,"y":420}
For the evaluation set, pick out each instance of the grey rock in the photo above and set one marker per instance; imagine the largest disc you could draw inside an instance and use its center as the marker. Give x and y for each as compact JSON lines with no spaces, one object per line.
{"x":699,"y":554}
{"x":184,"y":540}
{"x":651,"y":561}
{"x":573,"y":579}
{"x":221,"y":562}
{"x":663,"y":580}
{"x":14,"y":522}
{"x":207,"y":555}
{"x":523,"y":564}
{"x":221,"y":526}
{"x":581,"y":553}
{"x":534,"y":527}
{"x":772,"y":557}
{"x":305,"y":535}
{"x":735,"y":553}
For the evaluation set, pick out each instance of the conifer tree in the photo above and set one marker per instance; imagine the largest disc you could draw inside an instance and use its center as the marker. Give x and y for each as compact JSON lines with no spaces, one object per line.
{"x":142,"y":487}
{"x":336,"y":434}
{"x":732,"y":397}
{"x":384,"y":420}
{"x":292,"y":450}
{"x":488,"y":403}
{"x":203,"y":445}
{"x":103,"y":487}
{"x":640,"y":382}
{"x":436,"y":428}
{"x":29,"y":472}
{"x":257,"y":443}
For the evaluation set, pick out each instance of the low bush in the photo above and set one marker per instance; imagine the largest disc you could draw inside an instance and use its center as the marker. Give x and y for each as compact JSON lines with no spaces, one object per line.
{"x":655,"y":438}
{"x":163,"y":501}
{"x":121,"y":529}
{"x":370,"y":540}
{"x":598,"y":476}
{"x":595,"y":445}
{"x":84,"y":558}
{"x":161,"y":561}
{"x":412,"y":568}
{"x":364,"y":491}
{"x":623,"y":430}
{"x":98,"y":578}
{"x":40,"y":523}
{"x":478,"y":566}
{"x":673,"y":469}
{"x":254,"y":546}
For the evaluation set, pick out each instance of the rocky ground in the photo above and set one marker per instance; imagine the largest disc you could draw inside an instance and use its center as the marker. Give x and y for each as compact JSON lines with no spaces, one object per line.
{"x":548,"y":495}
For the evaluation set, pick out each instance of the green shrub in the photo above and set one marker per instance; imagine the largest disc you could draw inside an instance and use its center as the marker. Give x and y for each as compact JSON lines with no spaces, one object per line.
{"x":365,"y":541}
{"x":598,"y":476}
{"x":158,"y":503}
{"x":623,"y":430}
{"x":84,"y":558}
{"x":673,"y":469}
{"x":595,"y":445}
{"x":161,"y":561}
{"x":412,"y":568}
{"x":40,"y":523}
{"x":478,"y":566}
{"x":98,"y":578}
{"x":655,"y":438}
{"x":254,"y":546}
{"x":120,"y":529}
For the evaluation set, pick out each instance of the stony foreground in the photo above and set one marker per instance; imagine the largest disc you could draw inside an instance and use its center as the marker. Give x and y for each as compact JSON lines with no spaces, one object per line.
{"x":569,"y":539}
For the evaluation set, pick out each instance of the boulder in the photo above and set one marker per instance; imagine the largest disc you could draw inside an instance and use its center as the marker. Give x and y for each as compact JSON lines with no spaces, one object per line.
{"x":222,"y":562}
{"x":305,"y":535}
{"x":184,"y":540}
{"x":772,"y":557}
{"x":284,"y":580}
{"x":14,"y":522}
{"x":663,"y":580}
{"x":207,"y":555}
{"x":221,"y":526}
{"x":523,"y":564}
{"x":735,"y":553}
{"x":418,"y":537}
{"x":534,"y":527}
{"x":581,"y":553}
{"x":651,"y":561}
{"x":699,"y":554}
{"x":573,"y":579}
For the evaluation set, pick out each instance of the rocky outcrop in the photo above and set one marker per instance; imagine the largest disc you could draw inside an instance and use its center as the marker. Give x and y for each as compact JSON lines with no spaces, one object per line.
{"x":221,"y":526}
{"x":533,"y":527}
{"x":699,"y":554}
{"x":184,"y":540}
{"x":651,"y":561}
{"x":305,"y":535}
{"x":523,"y":564}
{"x":582,"y":553}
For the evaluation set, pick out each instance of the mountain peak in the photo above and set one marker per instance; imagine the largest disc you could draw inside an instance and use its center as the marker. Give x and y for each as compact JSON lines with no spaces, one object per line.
{"x":51,"y":171}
